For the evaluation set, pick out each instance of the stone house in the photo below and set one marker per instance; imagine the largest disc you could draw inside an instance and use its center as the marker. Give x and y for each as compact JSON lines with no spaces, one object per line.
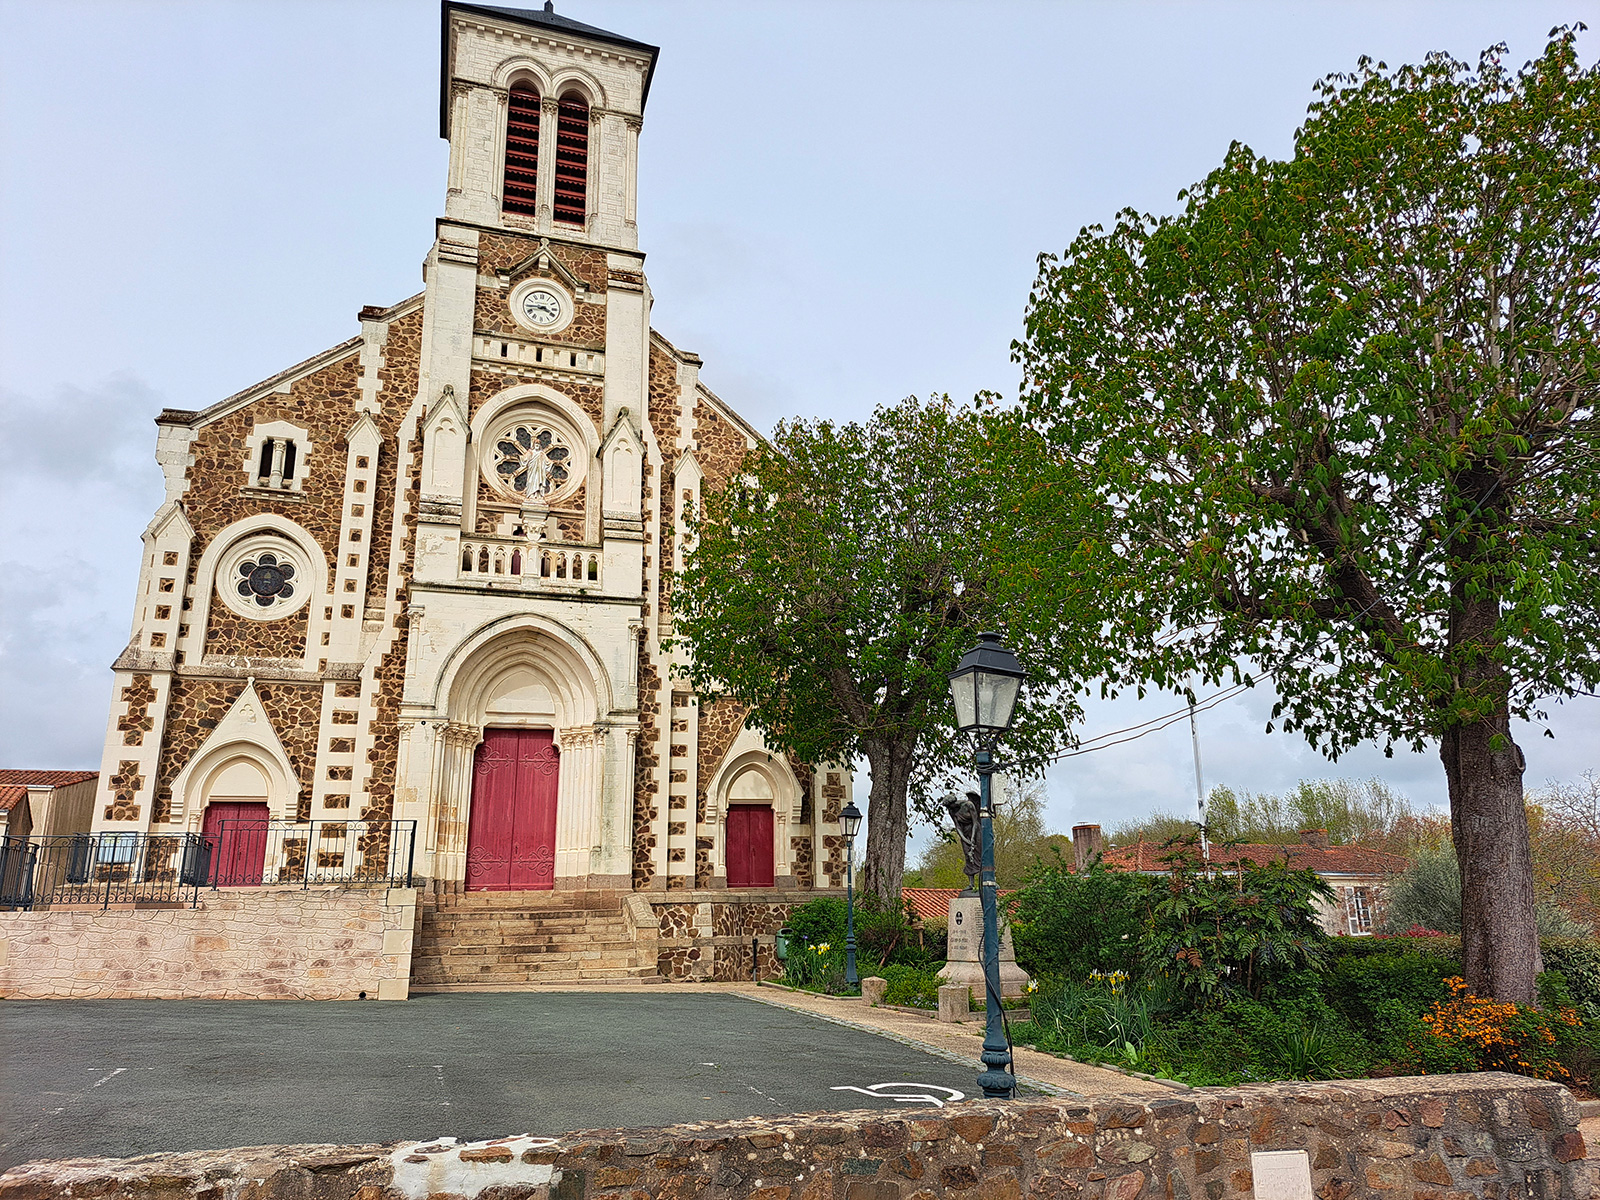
{"x":419,"y":583}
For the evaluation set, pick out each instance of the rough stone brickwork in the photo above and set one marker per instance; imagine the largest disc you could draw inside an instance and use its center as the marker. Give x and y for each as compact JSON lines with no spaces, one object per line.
{"x":722,"y":444}
{"x":720,"y":723}
{"x":706,"y":936}
{"x":833,"y":865}
{"x":646,"y":760}
{"x":323,"y":404}
{"x":227,"y":633}
{"x":294,"y":711}
{"x":194,"y":708}
{"x":398,"y":377}
{"x":125,"y":787}
{"x":244,"y":943}
{"x":137,"y":721}
{"x":1463,"y":1137}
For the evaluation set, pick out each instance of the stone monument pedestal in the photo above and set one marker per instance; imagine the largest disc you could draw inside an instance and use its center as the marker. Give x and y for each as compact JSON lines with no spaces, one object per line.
{"x":965,"y":951}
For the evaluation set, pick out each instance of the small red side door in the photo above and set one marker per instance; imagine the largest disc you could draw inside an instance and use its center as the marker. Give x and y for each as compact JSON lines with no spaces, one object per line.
{"x":749,"y":845}
{"x":237,"y":835}
{"x":511,"y":829}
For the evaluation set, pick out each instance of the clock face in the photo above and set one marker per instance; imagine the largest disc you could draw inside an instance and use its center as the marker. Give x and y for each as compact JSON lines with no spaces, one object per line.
{"x":541,"y":307}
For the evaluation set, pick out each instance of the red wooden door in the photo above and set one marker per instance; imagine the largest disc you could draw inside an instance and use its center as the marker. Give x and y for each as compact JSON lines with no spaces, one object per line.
{"x":511,"y":830}
{"x":749,"y":845}
{"x":237,"y":835}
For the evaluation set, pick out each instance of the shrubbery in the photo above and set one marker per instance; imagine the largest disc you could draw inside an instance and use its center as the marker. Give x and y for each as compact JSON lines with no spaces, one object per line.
{"x":1227,"y":978}
{"x":885,"y":939}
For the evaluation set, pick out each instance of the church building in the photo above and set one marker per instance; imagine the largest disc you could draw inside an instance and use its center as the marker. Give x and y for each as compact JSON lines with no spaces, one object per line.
{"x":419,"y":585}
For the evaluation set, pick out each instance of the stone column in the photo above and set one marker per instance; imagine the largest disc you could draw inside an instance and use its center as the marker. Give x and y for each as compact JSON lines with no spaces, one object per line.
{"x":578,"y":803}
{"x":612,"y":863}
{"x":453,"y":792}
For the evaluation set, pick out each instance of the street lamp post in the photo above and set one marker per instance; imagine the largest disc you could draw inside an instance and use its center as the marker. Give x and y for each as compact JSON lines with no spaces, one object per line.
{"x":984,"y":686}
{"x":850,"y":821}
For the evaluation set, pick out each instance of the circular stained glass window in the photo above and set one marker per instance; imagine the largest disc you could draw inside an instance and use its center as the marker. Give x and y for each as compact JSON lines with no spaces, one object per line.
{"x":266,"y":580}
{"x":532,"y":460}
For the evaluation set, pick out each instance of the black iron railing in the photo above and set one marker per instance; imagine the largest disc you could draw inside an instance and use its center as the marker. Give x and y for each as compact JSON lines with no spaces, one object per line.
{"x":159,"y":868}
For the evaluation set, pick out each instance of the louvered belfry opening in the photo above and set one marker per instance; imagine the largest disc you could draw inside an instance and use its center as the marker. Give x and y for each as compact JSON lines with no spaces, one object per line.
{"x":572,"y":159}
{"x":522,"y":152}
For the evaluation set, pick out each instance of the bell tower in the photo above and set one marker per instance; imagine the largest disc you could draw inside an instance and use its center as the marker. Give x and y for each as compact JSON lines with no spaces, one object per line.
{"x":542,"y":114}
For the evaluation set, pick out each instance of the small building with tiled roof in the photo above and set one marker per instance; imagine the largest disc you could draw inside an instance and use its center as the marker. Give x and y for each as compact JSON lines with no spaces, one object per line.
{"x":1357,"y":874}
{"x":45,"y":803}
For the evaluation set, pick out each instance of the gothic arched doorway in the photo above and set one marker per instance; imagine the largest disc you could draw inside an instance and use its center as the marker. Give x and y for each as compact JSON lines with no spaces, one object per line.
{"x":511,"y":830}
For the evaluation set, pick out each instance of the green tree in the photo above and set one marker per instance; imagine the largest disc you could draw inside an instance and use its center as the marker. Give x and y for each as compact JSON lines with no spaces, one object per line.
{"x":1341,"y":414}
{"x":1350,"y":811}
{"x":833,"y":585}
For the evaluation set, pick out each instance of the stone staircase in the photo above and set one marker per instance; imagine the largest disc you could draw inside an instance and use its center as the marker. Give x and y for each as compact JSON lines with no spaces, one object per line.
{"x":501,"y":941}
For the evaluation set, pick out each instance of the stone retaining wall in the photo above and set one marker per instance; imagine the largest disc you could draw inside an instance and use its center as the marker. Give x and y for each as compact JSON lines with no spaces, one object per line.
{"x":705,"y":935}
{"x":318,"y":943}
{"x":1464,"y":1137}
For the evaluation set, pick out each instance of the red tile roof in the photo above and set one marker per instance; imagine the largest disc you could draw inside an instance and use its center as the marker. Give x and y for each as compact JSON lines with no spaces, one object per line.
{"x":1329,"y":860}
{"x":931,"y":904}
{"x":46,"y":778}
{"x":11,"y":795}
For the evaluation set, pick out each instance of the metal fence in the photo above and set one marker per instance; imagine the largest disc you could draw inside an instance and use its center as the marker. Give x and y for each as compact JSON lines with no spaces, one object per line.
{"x":103,"y":869}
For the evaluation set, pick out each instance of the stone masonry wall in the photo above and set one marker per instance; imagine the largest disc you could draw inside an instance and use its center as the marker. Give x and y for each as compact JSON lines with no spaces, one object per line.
{"x":240,"y":944}
{"x":1463,"y":1137}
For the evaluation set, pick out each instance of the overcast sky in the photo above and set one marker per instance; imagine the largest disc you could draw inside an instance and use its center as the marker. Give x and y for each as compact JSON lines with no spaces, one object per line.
{"x":841,"y":204}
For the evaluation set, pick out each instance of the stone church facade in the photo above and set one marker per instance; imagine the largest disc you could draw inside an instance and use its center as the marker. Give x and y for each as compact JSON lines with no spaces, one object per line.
{"x":424,"y":576}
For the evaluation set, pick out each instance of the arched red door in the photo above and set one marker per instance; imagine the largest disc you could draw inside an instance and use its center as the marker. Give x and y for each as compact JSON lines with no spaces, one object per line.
{"x":749,"y":849}
{"x":511,"y":830}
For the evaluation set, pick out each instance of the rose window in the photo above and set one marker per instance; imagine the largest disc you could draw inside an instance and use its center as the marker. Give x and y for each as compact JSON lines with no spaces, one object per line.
{"x":265,"y":579}
{"x":532,"y":460}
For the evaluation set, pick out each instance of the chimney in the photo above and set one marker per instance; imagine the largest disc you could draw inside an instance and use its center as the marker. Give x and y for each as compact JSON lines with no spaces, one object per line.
{"x":1316,"y":838}
{"x":1086,"y":845}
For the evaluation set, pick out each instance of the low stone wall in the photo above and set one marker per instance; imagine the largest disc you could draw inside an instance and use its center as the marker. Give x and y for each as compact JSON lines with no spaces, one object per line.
{"x":705,"y":935}
{"x":316,"y":943}
{"x":1465,"y":1137}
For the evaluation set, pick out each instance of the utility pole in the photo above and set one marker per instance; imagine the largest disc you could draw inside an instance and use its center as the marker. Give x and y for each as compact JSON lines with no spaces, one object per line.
{"x":1199,"y":786}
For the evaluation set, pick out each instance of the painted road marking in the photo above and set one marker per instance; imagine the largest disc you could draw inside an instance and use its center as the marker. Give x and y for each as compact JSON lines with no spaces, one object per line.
{"x":877,"y":1092}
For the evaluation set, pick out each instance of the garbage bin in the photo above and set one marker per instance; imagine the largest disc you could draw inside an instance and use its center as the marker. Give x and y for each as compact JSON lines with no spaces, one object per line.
{"x":781,"y":943}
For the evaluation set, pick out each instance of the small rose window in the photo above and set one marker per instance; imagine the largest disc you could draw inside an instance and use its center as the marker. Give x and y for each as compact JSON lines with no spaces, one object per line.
{"x":265,"y":579}
{"x":532,"y":460}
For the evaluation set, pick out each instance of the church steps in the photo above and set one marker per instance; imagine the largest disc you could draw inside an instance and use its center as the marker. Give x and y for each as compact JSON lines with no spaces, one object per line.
{"x":518,"y":939}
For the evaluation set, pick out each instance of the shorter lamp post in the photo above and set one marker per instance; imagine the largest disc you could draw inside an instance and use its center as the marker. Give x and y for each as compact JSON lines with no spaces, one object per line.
{"x":984,"y":686}
{"x":850,"y":822}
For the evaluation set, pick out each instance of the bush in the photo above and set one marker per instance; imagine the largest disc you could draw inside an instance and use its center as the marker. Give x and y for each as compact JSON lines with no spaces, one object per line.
{"x":1068,"y":925}
{"x":819,"y":920}
{"x":1467,"y":1033}
{"x":916,"y":987}
{"x":1223,"y":935}
{"x":816,"y":968}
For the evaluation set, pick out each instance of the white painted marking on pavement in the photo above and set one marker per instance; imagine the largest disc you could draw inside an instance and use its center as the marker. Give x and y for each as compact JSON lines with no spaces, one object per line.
{"x":103,"y":1078}
{"x":876,"y":1092}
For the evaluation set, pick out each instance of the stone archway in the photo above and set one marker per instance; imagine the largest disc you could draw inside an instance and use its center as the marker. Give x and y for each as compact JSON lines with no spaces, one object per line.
{"x":530,"y":677}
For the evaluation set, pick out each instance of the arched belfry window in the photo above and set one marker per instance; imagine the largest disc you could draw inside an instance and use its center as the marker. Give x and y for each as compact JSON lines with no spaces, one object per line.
{"x":572,"y":159}
{"x":521,"y":193}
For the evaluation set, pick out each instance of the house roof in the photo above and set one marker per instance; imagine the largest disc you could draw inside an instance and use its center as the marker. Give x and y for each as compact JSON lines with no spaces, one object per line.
{"x":1324,"y":860}
{"x":545,"y":18}
{"x":933,"y":904}
{"x":11,"y":794}
{"x":45,"y":778}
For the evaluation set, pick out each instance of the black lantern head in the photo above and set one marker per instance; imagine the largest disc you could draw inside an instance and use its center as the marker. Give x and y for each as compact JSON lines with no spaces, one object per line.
{"x":984,"y":686}
{"x":850,"y":820}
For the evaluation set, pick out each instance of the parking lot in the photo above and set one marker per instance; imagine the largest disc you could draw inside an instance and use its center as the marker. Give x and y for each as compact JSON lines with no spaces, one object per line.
{"x":125,"y":1077}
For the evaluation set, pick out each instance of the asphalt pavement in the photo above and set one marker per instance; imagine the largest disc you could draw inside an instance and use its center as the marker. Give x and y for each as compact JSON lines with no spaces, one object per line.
{"x":126,"y":1077}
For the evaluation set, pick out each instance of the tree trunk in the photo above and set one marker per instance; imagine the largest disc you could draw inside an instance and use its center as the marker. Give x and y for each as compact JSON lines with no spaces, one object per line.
{"x":887,"y":822}
{"x":1489,"y":824}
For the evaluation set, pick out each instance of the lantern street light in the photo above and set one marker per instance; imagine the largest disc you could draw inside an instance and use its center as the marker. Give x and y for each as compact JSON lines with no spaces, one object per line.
{"x":850,"y":822}
{"x":984,"y":686}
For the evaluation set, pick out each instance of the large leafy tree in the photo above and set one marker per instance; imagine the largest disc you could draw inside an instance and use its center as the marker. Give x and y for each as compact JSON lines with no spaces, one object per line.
{"x":833,"y":585}
{"x":1341,"y":413}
